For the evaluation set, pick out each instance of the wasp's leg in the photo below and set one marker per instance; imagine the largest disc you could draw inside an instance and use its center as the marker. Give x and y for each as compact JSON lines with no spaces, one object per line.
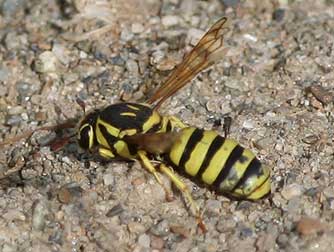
{"x":106,"y":153}
{"x":186,"y":193}
{"x":227,"y":125}
{"x":176,"y":122}
{"x":149,"y":166}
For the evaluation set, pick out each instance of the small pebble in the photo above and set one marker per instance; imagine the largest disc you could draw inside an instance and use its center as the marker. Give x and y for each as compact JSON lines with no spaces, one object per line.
{"x":69,"y":192}
{"x":308,"y":226}
{"x":180,"y":230}
{"x":278,"y":15}
{"x":160,"y":229}
{"x":13,"y":215}
{"x":40,"y":211}
{"x":46,"y":63}
{"x":282,"y":240}
{"x":136,"y":227}
{"x":116,"y":210}
{"x":246,"y":232}
{"x":132,"y":67}
{"x":324,"y":96}
{"x":157,"y":242}
{"x":24,"y":88}
{"x":144,"y":240}
{"x":62,"y":53}
{"x":250,"y":37}
{"x":15,"y":110}
{"x":4,"y":73}
{"x":11,"y":7}
{"x":291,"y":191}
{"x":170,"y":20}
{"x":126,"y":35}
{"x":137,"y":28}
{"x":108,"y":179}
{"x":13,"y":120}
{"x":248,"y":124}
{"x":7,"y":247}
{"x":213,"y":207}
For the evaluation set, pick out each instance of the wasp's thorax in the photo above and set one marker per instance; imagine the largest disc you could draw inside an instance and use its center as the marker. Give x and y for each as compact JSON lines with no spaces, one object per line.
{"x":86,"y":133}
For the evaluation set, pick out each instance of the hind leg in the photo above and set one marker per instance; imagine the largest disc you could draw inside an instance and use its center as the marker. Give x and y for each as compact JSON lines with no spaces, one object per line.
{"x":185,"y":192}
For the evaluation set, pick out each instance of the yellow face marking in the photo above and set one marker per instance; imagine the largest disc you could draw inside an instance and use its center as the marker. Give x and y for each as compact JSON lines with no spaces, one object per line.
{"x":179,"y":146}
{"x":90,"y":134}
{"x":239,"y":168}
{"x":132,"y":107}
{"x":128,"y":114}
{"x":218,"y":161}
{"x":151,"y":121}
{"x":198,"y":154}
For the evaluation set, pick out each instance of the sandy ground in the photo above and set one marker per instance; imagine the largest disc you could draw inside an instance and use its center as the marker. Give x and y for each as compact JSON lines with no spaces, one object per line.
{"x":276,"y":83}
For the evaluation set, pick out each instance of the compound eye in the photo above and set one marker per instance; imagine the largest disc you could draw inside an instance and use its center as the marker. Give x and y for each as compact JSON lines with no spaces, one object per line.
{"x":86,"y":137}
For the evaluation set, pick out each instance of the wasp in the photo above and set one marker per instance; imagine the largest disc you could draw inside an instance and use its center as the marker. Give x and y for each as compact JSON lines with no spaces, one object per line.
{"x":139,"y":131}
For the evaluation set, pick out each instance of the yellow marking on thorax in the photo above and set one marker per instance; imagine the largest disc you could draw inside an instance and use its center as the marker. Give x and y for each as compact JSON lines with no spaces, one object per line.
{"x":180,"y":145}
{"x":128,"y":114}
{"x":218,"y":161}
{"x":127,"y":132}
{"x":132,"y":107}
{"x":198,"y":154}
{"x":151,"y":121}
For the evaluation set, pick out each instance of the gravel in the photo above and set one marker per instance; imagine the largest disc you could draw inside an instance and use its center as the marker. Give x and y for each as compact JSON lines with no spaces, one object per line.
{"x":276,"y":82}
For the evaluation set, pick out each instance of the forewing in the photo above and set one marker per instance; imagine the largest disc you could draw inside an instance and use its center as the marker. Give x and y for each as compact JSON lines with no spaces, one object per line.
{"x":207,"y":51}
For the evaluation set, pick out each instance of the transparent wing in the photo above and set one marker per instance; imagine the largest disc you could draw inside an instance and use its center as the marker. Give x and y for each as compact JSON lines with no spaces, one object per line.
{"x":207,"y":51}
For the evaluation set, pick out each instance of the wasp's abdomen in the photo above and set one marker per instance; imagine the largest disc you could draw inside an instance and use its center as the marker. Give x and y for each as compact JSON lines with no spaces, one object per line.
{"x":220,"y":163}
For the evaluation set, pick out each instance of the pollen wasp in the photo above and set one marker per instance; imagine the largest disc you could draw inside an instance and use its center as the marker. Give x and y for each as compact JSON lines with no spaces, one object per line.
{"x":138,"y":131}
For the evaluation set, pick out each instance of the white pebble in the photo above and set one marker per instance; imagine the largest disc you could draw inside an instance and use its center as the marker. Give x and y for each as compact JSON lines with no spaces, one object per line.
{"x":83,"y":55}
{"x":170,"y":20}
{"x":249,"y":37}
{"x":108,"y":179}
{"x":46,"y":62}
{"x":248,"y":124}
{"x":144,"y":240}
{"x":137,"y":28}
{"x":291,"y":191}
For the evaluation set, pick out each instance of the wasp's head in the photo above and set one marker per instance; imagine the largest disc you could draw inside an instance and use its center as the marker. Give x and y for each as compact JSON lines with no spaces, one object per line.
{"x":86,"y":132}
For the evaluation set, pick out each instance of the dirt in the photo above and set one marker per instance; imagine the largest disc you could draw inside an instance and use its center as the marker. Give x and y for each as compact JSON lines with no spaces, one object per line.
{"x":276,"y":82}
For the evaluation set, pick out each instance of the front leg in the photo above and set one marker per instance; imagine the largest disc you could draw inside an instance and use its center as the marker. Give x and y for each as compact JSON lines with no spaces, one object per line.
{"x":149,"y":166}
{"x":106,"y":153}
